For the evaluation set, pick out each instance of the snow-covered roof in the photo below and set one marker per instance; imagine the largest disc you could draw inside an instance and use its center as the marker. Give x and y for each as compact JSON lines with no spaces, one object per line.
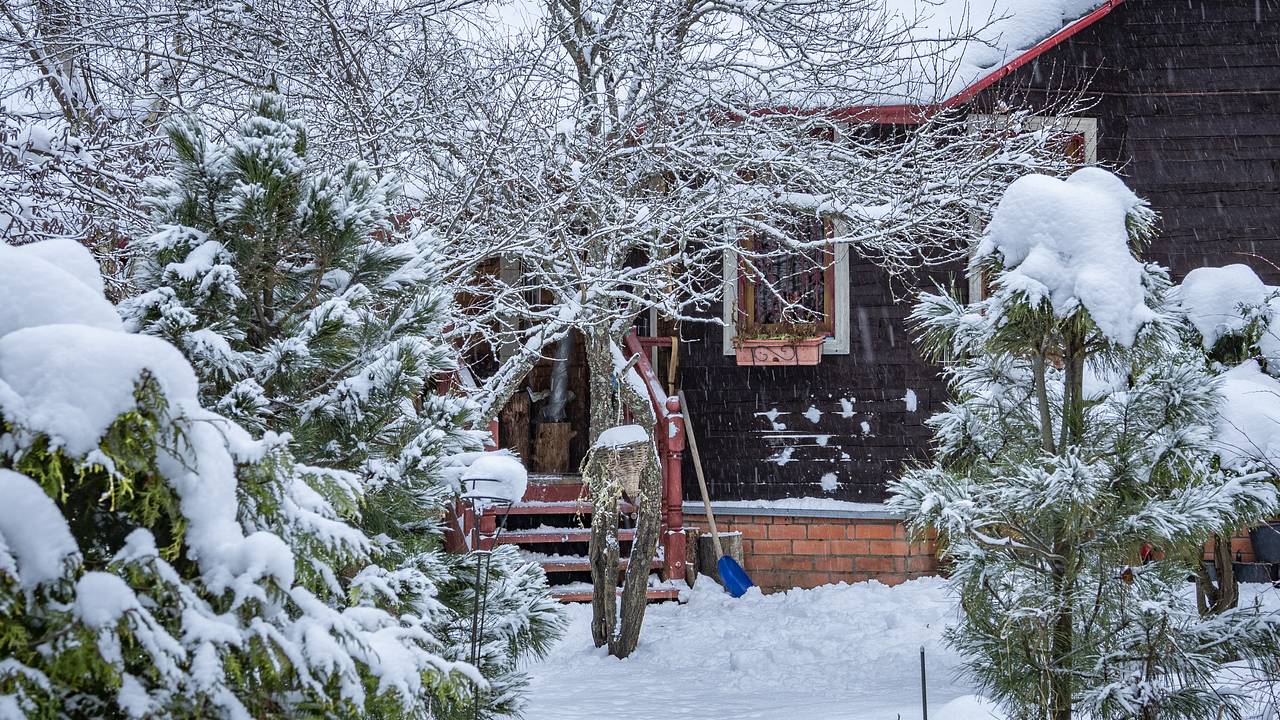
{"x":1012,"y":33}
{"x":932,"y":68}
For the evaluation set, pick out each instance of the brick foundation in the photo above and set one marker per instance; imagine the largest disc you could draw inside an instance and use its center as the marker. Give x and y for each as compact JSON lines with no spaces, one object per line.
{"x":1241,"y":547}
{"x":781,"y":552}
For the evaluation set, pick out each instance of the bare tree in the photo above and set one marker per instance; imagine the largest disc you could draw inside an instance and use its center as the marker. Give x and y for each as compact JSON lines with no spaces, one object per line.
{"x":637,"y":143}
{"x":87,"y":86}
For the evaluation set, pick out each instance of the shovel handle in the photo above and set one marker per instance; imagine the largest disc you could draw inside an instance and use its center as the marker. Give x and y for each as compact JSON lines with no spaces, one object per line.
{"x":697,"y":468}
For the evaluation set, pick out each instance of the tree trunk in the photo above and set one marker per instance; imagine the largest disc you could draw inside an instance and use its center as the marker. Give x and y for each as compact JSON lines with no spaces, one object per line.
{"x":605,"y":493}
{"x":620,"y":631}
{"x":1060,"y":694}
{"x":1042,"y":403}
{"x":1062,"y":645}
{"x":1217,"y":597}
{"x":1073,"y":390}
{"x":603,"y":555}
{"x":648,"y":526}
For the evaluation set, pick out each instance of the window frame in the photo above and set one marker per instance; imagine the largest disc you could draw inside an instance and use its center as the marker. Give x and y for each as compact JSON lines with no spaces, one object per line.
{"x":1086,"y":127}
{"x":737,"y":287}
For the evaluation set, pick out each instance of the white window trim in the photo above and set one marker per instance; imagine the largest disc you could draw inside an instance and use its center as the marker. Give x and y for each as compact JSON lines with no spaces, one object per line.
{"x":838,"y":345}
{"x":1086,"y":126}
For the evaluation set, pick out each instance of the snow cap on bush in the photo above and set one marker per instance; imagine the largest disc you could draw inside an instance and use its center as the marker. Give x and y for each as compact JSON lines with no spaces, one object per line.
{"x":1213,"y":299}
{"x":35,"y":543}
{"x":34,"y":291}
{"x":1249,"y":418}
{"x":1068,"y":242}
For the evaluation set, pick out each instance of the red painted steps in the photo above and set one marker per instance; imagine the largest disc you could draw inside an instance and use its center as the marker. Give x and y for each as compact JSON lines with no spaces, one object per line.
{"x":555,"y":535}
{"x":550,"y":503}
{"x":579,"y":563}
{"x":581,"y":592}
{"x":574,"y":507}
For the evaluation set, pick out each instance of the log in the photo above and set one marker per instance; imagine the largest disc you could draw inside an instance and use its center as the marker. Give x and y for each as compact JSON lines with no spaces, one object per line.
{"x":514,"y":426}
{"x":551,"y":449}
{"x":690,"y":556}
{"x":730,"y":542}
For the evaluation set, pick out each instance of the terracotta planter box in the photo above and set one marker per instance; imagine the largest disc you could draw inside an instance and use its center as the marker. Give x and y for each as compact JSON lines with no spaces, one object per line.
{"x":779,"y":352}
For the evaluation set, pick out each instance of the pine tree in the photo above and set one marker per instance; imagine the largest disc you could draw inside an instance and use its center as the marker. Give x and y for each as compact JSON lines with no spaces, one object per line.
{"x":1234,"y":319}
{"x":156,"y":559}
{"x":304,"y":313}
{"x":1080,"y":429}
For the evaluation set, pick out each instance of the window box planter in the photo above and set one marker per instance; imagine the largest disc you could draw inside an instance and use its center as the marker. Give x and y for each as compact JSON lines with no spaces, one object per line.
{"x":767,"y":352}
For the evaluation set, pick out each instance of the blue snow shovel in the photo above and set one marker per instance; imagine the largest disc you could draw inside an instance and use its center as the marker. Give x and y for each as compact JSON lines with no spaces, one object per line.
{"x":735,"y":579}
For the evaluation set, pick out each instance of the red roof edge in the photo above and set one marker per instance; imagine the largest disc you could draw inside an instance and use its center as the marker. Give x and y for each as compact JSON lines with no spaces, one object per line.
{"x":915,"y":114}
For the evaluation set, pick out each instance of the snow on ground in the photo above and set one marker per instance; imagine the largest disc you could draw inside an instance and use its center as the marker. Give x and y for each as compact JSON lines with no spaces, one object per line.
{"x":840,"y":652}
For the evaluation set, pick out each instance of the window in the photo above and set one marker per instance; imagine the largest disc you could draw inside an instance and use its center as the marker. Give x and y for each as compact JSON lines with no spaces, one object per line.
{"x":804,"y":293}
{"x":1080,"y":143}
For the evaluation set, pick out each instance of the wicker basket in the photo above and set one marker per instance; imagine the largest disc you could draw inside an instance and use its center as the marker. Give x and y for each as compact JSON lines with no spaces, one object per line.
{"x":626,"y":463}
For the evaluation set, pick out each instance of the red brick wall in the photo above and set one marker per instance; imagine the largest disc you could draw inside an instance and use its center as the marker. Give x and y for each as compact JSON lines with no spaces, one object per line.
{"x":1241,"y":548}
{"x":782,"y":552}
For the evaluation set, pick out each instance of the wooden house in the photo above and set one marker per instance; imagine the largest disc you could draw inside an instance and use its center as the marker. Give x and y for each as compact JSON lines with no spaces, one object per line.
{"x":1186,"y":107}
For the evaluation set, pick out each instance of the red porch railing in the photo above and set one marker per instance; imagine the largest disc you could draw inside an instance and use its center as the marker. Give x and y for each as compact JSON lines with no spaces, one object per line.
{"x":669,"y":436}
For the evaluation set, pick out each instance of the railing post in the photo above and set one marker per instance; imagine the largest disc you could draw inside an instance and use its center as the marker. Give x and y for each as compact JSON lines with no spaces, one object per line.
{"x":673,"y":490}
{"x":669,"y":439}
{"x":486,"y":530}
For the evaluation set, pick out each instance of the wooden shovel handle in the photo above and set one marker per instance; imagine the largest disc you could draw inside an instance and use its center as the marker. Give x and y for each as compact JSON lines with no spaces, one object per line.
{"x":697,"y":468}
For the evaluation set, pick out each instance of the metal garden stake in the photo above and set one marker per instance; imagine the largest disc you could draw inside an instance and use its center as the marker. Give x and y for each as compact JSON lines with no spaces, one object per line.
{"x":484,"y":561}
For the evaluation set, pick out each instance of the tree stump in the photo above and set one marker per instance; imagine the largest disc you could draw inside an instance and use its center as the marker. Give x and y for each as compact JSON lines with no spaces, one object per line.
{"x":514,"y":426}
{"x":730,"y":542}
{"x":690,"y":556}
{"x":551,"y":449}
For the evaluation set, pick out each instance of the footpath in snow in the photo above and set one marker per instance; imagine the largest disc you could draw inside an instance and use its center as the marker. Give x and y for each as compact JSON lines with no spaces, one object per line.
{"x":837,"y":652}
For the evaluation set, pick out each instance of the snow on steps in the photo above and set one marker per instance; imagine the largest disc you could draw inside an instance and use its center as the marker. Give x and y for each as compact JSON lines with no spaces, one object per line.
{"x":547,"y":534}
{"x":573,"y":507}
{"x":579,"y":563}
{"x":581,"y":591}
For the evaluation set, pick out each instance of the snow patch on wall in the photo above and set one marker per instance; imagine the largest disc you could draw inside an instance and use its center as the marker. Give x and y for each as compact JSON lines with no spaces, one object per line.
{"x":813,"y":414}
{"x":910,"y":400}
{"x":783,"y":457}
{"x":772,"y":416}
{"x":846,"y":407}
{"x":829,"y":482}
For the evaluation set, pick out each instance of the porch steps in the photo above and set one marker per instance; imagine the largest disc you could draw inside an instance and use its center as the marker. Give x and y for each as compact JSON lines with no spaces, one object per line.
{"x":543,"y":535}
{"x":580,"y":563}
{"x":556,"y":508}
{"x":552,"y":526}
{"x":581,"y":592}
